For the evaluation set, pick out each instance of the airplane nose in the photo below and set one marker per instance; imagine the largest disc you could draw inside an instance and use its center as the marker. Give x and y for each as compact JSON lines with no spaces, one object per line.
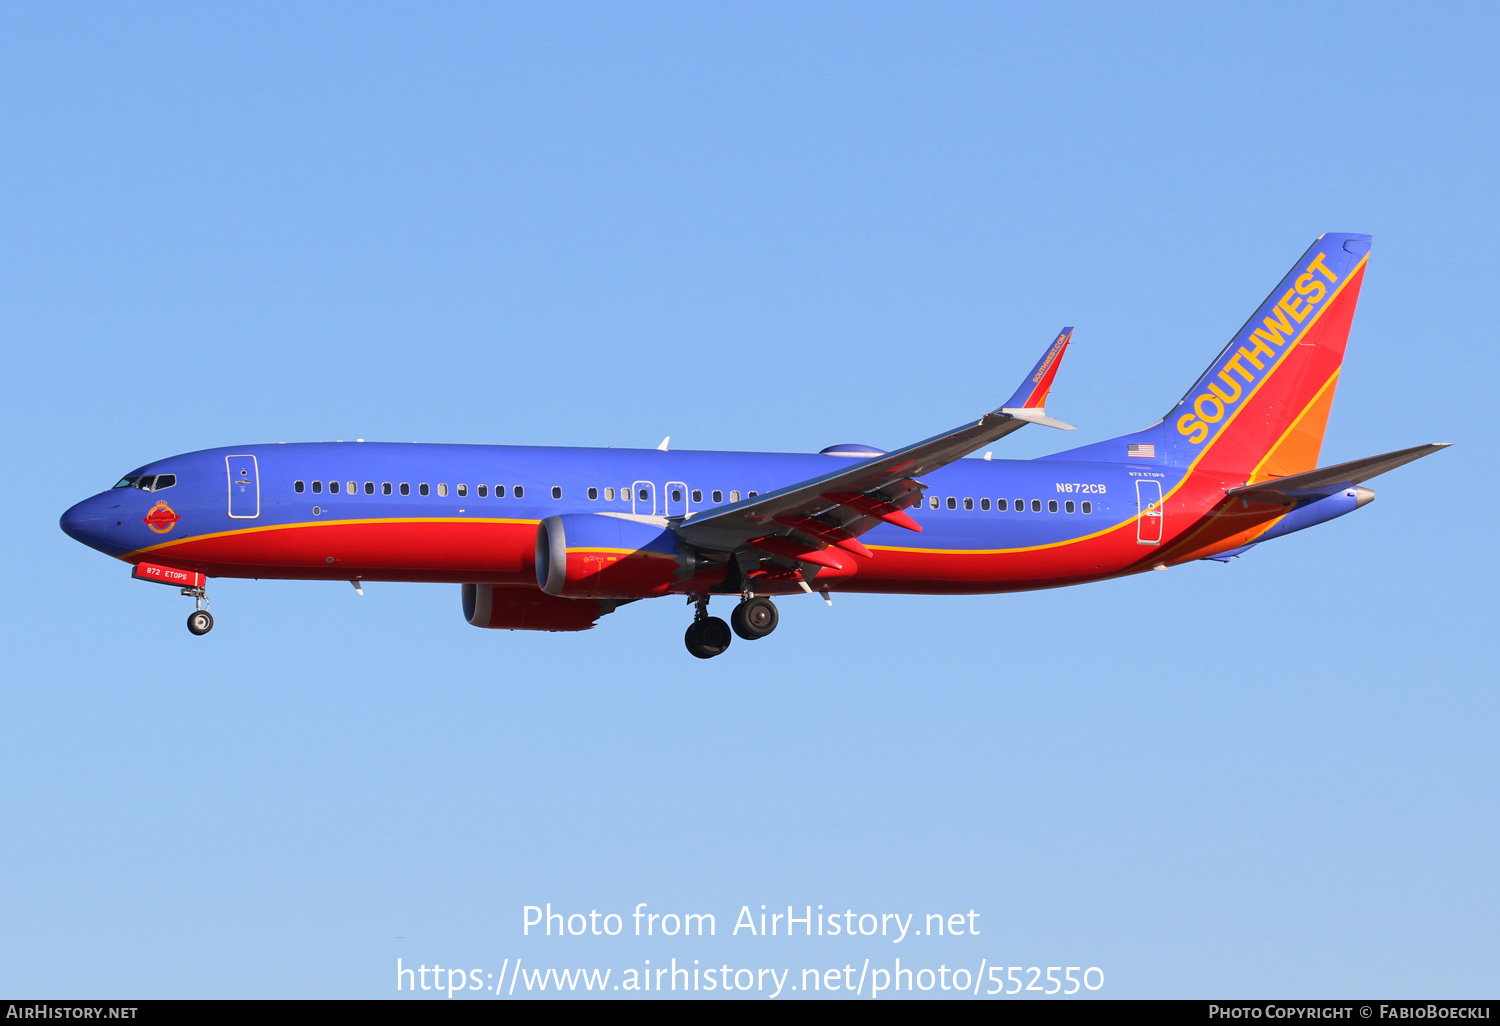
{"x":86,"y":522}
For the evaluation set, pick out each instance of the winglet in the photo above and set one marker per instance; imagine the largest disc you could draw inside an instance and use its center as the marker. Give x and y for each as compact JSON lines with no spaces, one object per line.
{"x":1030,"y":401}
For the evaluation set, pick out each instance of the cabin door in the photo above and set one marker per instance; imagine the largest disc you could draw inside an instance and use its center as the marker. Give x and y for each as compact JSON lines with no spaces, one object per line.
{"x":244,"y":487}
{"x":1148,"y":525}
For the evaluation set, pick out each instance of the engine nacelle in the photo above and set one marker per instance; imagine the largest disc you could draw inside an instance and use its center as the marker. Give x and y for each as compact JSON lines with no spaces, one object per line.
{"x":526,"y":609}
{"x":595,"y":555}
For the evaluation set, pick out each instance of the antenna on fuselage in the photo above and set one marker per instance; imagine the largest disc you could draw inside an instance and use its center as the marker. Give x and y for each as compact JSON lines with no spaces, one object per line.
{"x":663,"y":446}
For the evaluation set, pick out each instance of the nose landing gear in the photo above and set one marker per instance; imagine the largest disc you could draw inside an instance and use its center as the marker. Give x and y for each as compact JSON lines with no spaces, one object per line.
{"x":200,"y":621}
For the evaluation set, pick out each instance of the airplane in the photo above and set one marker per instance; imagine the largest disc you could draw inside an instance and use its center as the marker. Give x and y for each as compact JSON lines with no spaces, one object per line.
{"x":552,"y":539}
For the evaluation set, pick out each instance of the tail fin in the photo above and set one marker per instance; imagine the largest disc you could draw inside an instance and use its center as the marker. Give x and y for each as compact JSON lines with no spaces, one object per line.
{"x":1261,"y":407}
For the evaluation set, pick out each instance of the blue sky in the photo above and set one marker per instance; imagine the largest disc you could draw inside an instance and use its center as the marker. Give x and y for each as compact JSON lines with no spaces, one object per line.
{"x":749,"y":227}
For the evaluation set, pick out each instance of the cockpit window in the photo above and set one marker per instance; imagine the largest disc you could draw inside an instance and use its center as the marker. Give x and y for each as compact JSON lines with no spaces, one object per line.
{"x":148,"y":482}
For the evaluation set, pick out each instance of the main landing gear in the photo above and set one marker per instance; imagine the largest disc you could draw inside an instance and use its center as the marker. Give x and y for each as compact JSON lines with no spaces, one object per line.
{"x":754,"y":618}
{"x":708,"y":636}
{"x":200,"y":621}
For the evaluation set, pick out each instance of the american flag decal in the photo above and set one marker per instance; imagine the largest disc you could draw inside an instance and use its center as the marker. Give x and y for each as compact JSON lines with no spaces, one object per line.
{"x":1145,"y":452}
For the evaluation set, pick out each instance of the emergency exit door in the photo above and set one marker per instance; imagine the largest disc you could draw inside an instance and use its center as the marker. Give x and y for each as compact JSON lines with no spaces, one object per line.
{"x":643,"y":498}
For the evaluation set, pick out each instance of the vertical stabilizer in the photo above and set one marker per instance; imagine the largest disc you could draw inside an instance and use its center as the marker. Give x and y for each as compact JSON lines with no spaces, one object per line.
{"x":1260,"y":408}
{"x":1262,"y":405}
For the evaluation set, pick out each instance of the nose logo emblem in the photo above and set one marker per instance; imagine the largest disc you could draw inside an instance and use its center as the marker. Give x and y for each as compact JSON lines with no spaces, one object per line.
{"x":161,"y":519}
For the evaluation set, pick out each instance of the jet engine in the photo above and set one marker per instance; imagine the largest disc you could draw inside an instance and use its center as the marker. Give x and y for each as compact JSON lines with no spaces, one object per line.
{"x":596,"y":555}
{"x":523,"y":608}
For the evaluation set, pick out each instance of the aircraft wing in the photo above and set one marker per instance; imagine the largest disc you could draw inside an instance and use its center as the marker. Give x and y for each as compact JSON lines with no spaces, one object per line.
{"x":1328,"y":480}
{"x":800,"y":521}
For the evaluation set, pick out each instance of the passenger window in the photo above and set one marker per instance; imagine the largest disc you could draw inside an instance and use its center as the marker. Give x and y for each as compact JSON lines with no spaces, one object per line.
{"x":484,"y":491}
{"x":968,"y":504}
{"x":499,"y":491}
{"x":593,"y":493}
{"x":405,"y":488}
{"x":424,"y":489}
{"x":718,"y":495}
{"x":164,"y":481}
{"x":1088,"y":507}
{"x":676,"y":494}
{"x":297,"y":487}
{"x":643,"y":494}
{"x":1068,"y":506}
{"x":333,"y":486}
{"x":697,"y":495}
{"x":984,"y":503}
{"x":734,"y":496}
{"x":609,"y":493}
{"x":1020,"y":505}
{"x":317,"y":487}
{"x":385,"y":488}
{"x":556,"y":492}
{"x":952,"y":502}
{"x":369,"y":487}
{"x":1001,"y":505}
{"x":934,"y":502}
{"x":1036,"y":505}
{"x":751,"y":494}
{"x":442,"y":490}
{"x":461,"y":490}
{"x":1051,"y":505}
{"x":518,"y":491}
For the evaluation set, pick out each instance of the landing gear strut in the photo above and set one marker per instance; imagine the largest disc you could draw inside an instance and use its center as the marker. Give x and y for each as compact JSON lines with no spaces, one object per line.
{"x":754,"y":618}
{"x":200,"y":621}
{"x":707,"y":636}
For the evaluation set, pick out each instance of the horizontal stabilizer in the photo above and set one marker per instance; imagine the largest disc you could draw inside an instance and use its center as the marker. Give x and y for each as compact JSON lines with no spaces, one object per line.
{"x":1327,"y":480}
